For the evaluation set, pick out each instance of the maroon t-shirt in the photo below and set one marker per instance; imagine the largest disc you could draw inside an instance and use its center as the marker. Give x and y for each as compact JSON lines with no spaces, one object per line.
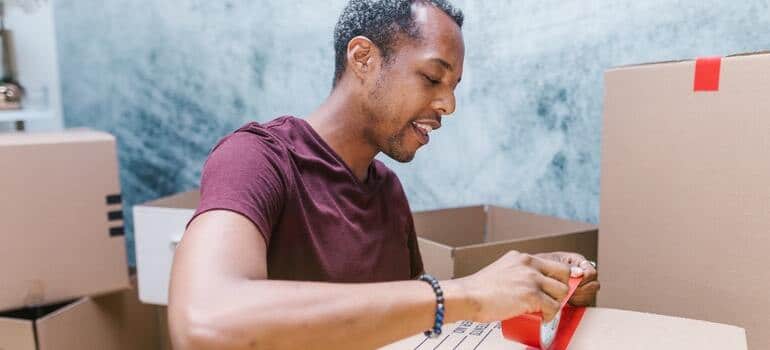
{"x":320,"y":223}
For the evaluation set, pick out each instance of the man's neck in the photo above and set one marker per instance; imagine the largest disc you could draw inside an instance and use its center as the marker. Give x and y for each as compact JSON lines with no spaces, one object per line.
{"x":341,"y":123}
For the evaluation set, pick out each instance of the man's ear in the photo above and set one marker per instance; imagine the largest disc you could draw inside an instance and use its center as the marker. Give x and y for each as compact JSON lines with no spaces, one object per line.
{"x":362,"y":56}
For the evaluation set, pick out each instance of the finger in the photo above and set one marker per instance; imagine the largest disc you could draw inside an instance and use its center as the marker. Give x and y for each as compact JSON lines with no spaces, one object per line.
{"x":572,"y":259}
{"x":553,"y":269}
{"x":585,"y":295}
{"x":555,"y":289}
{"x":548,"y":307}
{"x":547,"y":256}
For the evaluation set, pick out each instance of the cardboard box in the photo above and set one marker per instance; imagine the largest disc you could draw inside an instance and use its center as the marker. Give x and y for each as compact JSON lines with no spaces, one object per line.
{"x":685,"y":197}
{"x":458,"y":242}
{"x":165,"y":336}
{"x":115,"y":321}
{"x":61,"y":228}
{"x":158,"y":228}
{"x":600,"y":329}
{"x":453,"y":242}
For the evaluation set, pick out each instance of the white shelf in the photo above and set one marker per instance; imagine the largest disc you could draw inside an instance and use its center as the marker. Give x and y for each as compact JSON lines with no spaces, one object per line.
{"x":25,"y":115}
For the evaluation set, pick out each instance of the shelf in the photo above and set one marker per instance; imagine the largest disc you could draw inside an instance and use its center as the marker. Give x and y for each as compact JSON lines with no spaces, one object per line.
{"x":25,"y":115}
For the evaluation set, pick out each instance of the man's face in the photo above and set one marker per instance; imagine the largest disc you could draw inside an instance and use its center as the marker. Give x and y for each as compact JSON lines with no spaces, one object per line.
{"x":416,"y":86}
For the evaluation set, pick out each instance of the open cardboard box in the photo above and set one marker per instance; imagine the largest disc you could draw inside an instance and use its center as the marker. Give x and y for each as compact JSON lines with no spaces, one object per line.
{"x":460,"y":241}
{"x":600,"y":329}
{"x":117,"y":321}
{"x":61,"y":219}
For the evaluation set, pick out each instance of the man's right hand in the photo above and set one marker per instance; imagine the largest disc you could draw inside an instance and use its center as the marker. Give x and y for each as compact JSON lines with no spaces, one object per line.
{"x":517,"y":284}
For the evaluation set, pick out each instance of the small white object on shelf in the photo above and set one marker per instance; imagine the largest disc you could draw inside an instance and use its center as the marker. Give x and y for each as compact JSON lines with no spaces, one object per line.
{"x":32,"y":25}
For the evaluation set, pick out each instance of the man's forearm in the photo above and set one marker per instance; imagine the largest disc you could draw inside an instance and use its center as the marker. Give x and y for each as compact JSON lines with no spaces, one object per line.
{"x":263,"y":314}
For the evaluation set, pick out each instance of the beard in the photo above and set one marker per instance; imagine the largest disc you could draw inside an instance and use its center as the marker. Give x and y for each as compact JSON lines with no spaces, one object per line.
{"x":395,"y":148}
{"x":394,"y":143}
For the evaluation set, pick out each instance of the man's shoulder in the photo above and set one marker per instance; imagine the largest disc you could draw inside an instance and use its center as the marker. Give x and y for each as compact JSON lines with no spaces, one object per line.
{"x":252,"y":145}
{"x":255,"y":135}
{"x":270,"y":129}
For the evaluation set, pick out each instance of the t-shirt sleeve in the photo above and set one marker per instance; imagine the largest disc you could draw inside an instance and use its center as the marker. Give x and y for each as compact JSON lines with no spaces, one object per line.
{"x":243,"y":174}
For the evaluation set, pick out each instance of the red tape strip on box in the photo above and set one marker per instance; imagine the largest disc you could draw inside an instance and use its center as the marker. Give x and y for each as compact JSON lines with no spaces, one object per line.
{"x":526,"y":329}
{"x":707,"y":71}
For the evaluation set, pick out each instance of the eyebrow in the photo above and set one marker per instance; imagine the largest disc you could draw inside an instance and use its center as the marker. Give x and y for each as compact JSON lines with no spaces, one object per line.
{"x":442,"y":62}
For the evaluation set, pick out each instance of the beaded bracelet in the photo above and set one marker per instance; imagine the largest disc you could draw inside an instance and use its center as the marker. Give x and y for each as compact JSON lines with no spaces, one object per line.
{"x":439,"y":320}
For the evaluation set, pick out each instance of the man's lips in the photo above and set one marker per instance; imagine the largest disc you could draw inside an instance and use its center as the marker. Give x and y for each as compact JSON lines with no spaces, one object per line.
{"x":433,"y":123}
{"x":423,"y":127}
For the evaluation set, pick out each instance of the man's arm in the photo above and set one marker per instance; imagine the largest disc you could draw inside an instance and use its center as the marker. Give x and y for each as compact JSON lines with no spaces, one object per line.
{"x":220,"y":297}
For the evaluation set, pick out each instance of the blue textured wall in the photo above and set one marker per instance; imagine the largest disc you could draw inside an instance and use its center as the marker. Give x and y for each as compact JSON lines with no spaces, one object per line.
{"x":171,"y":77}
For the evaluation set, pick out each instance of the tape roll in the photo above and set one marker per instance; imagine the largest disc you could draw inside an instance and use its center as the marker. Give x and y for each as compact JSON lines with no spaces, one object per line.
{"x":530,"y":330}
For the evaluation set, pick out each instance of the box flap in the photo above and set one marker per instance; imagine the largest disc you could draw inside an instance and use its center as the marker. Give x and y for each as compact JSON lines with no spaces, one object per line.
{"x":473,"y":258}
{"x":17,"y":328}
{"x":507,"y":224}
{"x":135,"y":324}
{"x":16,"y":334}
{"x":658,"y":63}
{"x":453,"y":227}
{"x":69,"y":328}
{"x":116,"y":321}
{"x":436,"y":258}
{"x":184,"y":200}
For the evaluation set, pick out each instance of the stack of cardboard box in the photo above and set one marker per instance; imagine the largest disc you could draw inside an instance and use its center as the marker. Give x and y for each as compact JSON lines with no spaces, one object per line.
{"x":64,"y":278}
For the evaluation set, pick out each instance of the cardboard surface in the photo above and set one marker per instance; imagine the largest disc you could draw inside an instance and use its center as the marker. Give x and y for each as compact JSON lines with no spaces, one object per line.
{"x":165,"y":337}
{"x":115,"y":321}
{"x":600,"y":329}
{"x":16,"y":334}
{"x":158,"y":228}
{"x":685,"y":200}
{"x":457,"y":242}
{"x":57,"y":240}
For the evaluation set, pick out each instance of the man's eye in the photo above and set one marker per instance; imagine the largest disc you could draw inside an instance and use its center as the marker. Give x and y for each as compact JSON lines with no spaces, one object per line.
{"x":431,"y":80}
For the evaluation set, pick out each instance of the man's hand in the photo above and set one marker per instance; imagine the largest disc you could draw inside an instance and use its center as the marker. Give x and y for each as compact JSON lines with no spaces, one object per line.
{"x":585,"y":295}
{"x":517,"y":284}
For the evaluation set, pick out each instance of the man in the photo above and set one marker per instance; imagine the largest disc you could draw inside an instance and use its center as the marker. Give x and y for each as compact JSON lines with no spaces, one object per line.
{"x":303,"y":240}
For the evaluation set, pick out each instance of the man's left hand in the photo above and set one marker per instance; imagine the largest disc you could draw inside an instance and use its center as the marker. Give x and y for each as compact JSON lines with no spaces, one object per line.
{"x":585,"y":295}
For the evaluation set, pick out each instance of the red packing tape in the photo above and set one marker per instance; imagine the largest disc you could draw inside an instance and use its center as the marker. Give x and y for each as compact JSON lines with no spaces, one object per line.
{"x":707,"y":71}
{"x":526,"y":329}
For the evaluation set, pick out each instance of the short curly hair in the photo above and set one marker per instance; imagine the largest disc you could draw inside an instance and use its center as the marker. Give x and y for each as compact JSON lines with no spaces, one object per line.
{"x":380,"y":20}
